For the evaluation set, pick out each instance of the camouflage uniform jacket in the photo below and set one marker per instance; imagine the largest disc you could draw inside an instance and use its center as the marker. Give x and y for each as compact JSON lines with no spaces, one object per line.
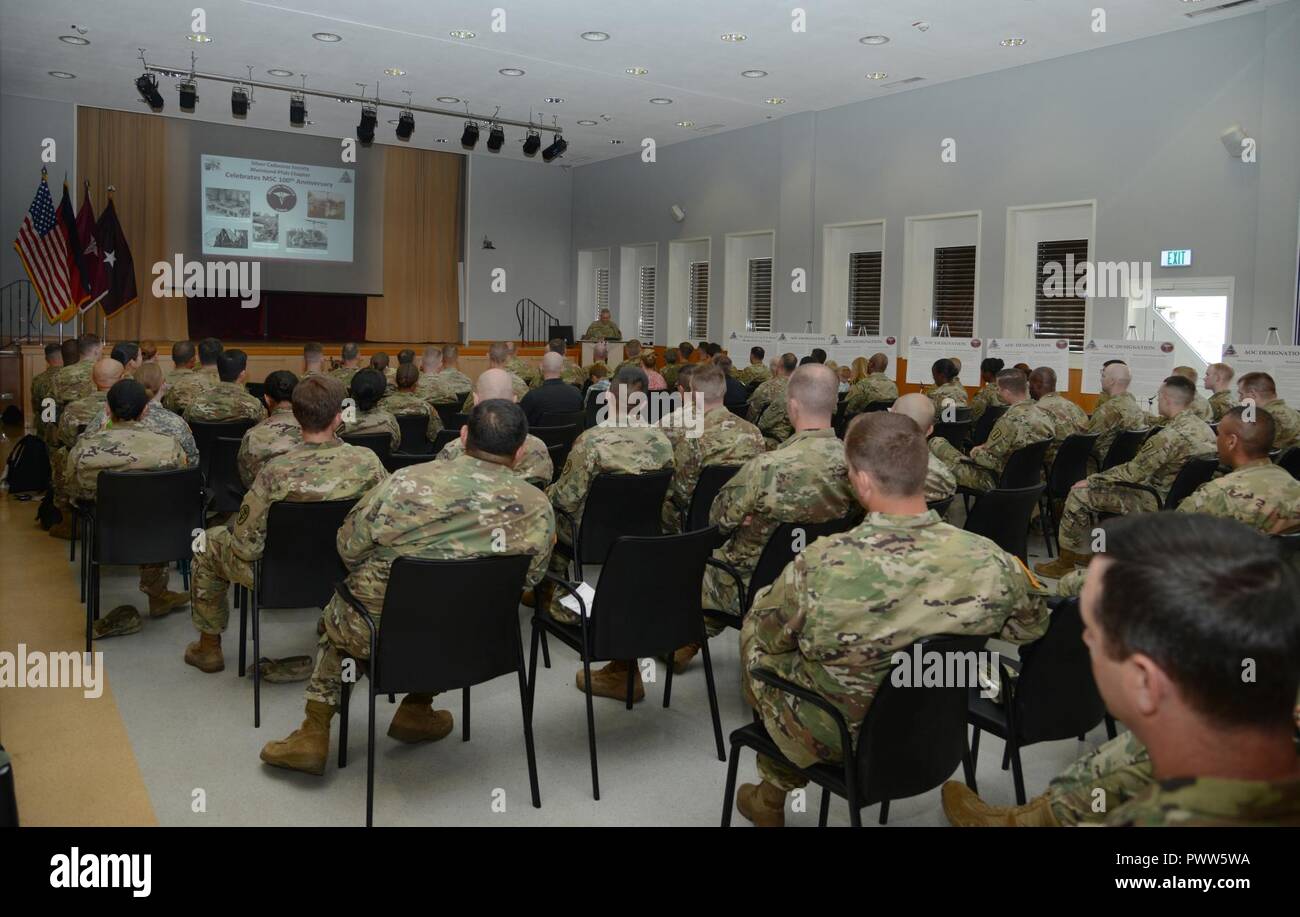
{"x":183,"y":386}
{"x":772,"y":390}
{"x":517,"y":385}
{"x":1066,"y":416}
{"x":1022,"y":424}
{"x":1118,"y":413}
{"x":80,"y":413}
{"x":834,"y":620}
{"x":774,"y":423}
{"x":274,"y":436}
{"x":158,"y":420}
{"x":953,"y":390}
{"x":1163,"y":455}
{"x":725,"y":440}
{"x":375,"y":420}
{"x":754,"y":372}
{"x":223,"y":402}
{"x":869,"y":389}
{"x":1287,"y":422}
{"x":629,"y":447}
{"x":42,"y":388}
{"x":344,"y":374}
{"x":1221,"y":403}
{"x":940,"y":482}
{"x":73,"y":382}
{"x":535,"y":467}
{"x":400,"y":404}
{"x":1212,"y":802}
{"x":572,"y":374}
{"x":123,"y":447}
{"x":669,"y":372}
{"x":986,"y":396}
{"x":1258,"y":493}
{"x":524,"y":370}
{"x":602,"y":331}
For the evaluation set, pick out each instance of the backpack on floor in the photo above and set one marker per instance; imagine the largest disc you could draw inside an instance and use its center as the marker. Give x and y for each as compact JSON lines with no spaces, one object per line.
{"x":28,"y":468}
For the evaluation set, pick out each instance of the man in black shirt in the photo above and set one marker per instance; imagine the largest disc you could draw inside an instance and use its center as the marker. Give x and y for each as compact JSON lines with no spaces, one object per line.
{"x":554,"y":395}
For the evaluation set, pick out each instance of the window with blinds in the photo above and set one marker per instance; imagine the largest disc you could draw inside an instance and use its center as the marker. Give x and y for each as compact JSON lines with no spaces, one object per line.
{"x":954,"y":291}
{"x":645,"y":303}
{"x":697,"y":301}
{"x":864,"y":293}
{"x":760,"y":294}
{"x":602,"y":290}
{"x":1058,"y":316}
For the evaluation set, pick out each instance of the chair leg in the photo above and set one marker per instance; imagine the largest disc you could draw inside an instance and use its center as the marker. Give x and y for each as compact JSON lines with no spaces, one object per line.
{"x":974,"y":747}
{"x":1006,"y":753}
{"x":464,"y":714}
{"x":631,"y":679}
{"x":668,"y":682}
{"x":241,"y":598}
{"x":546,"y":651}
{"x":392,"y":698}
{"x":72,"y":530}
{"x":524,"y":706}
{"x":257,"y":666}
{"x":345,"y":695}
{"x":968,"y":769}
{"x":713,"y":698}
{"x":729,"y":793}
{"x":1044,"y":520}
{"x":1110,"y":726}
{"x":884,"y":812}
{"x":370,"y":761}
{"x":185,"y":574}
{"x":532,"y":665}
{"x":824,"y":810}
{"x":90,"y":623}
{"x":1017,"y":775}
{"x":591,"y":727}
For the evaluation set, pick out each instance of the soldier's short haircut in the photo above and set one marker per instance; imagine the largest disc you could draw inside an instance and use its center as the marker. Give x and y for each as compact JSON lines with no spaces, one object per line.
{"x":405,"y":355}
{"x":126,"y":400}
{"x":672,"y":355}
{"x":816,"y":388}
{"x":632,"y":348}
{"x":496,"y":427}
{"x":633,"y":377}
{"x":1259,"y":383}
{"x":891,"y":448}
{"x":316,"y":401}
{"x":686,"y":376}
{"x":87,"y":343}
{"x":1045,"y":378}
{"x":182,"y":352}
{"x":313,"y":352}
{"x":209,"y":350}
{"x":818,"y":355}
{"x":1113,"y":362}
{"x":280,"y":384}
{"x":1013,"y":381}
{"x":1186,"y":372}
{"x":723,"y":362}
{"x":150,"y":375}
{"x":433,"y":354}
{"x":407,"y":375}
{"x":709,"y":379}
{"x":71,"y":351}
{"x":1199,"y":594}
{"x":556,"y":345}
{"x":757,"y":352}
{"x":878,"y":363}
{"x":944,"y":368}
{"x":498,"y":353}
{"x":230,"y":364}
{"x":1222,"y":369}
{"x":367,"y":388}
{"x":450,"y":352}
{"x":1180,"y":389}
{"x":379,"y":361}
{"x":351,"y":350}
{"x":992,"y":365}
{"x":686,"y":348}
{"x":52,"y":349}
{"x":125,"y":352}
{"x":789,"y":363}
{"x":1257,"y":435}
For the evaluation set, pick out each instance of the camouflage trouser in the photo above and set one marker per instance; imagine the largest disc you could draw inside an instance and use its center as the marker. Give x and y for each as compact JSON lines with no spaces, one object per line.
{"x":719,"y":593}
{"x":798,"y":743}
{"x":559,"y":565}
{"x":345,"y":634}
{"x":59,"y":482}
{"x":671,"y":518}
{"x":153,"y":579}
{"x":215,"y":568}
{"x":968,"y":474}
{"x":1081,"y":506}
{"x":1092,"y":787}
{"x":1072,"y":583}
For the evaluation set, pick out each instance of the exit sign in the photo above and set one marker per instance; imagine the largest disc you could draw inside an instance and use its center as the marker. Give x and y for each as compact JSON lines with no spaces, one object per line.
{"x":1177,"y":257}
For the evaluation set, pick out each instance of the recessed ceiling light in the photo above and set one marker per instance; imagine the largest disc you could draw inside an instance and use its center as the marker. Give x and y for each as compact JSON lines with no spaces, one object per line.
{"x":596,"y":36}
{"x":874,"y":39}
{"x":201,"y":37}
{"x":394,"y":71}
{"x":616,"y":141}
{"x":587,"y":123}
{"x":1012,"y":42}
{"x":877,"y":75}
{"x":277,"y":71}
{"x":685,"y":123}
{"x":326,"y":36}
{"x":775,"y":100}
{"x":461,"y":33}
{"x":636,"y":71}
{"x":734,"y":36}
{"x":661,"y":101}
{"x":510,"y":71}
{"x":63,"y":75}
{"x":754,"y":74}
{"x":74,"y":39}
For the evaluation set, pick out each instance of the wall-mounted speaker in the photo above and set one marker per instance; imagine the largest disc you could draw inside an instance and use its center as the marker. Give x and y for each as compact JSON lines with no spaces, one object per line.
{"x":678,"y":213}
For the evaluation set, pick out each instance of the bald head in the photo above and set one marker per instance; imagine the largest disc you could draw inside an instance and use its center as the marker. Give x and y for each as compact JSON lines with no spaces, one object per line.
{"x":1115,"y":379}
{"x":552,"y":365}
{"x":811,"y":396}
{"x":493,"y":383}
{"x":106,"y":372}
{"x":918,"y":407}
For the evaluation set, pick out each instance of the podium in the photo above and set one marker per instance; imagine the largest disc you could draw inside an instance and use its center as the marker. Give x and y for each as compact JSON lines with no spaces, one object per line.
{"x":615,"y":353}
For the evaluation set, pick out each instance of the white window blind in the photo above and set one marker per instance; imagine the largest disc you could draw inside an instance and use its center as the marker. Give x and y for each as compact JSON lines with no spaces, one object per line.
{"x":602,"y":290}
{"x":697,"y":304}
{"x":646,"y":303}
{"x":864,"y":293}
{"x":954,"y":291}
{"x":1060,"y":316}
{"x":760,"y":294}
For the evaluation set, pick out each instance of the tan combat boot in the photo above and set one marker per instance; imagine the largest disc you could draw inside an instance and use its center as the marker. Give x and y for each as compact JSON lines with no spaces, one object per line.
{"x":1062,"y":565}
{"x":205,"y":654}
{"x":966,"y":810}
{"x":61,"y":529}
{"x":611,"y":681}
{"x":167,"y":602}
{"x":417,"y":721}
{"x":682,"y":657}
{"x":762,"y":803}
{"x":307,"y":747}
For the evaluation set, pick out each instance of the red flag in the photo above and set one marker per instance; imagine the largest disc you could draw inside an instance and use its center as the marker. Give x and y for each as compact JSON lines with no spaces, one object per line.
{"x":115,"y":256}
{"x":92,"y":266}
{"x":42,"y":246}
{"x":75,"y":280}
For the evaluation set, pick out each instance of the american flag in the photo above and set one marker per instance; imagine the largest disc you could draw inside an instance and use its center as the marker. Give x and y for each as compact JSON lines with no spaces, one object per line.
{"x":42,"y":244}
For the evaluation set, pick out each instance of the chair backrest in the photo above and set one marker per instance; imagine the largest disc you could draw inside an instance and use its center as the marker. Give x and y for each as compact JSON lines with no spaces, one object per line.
{"x":224,"y":482}
{"x":301,"y":560}
{"x":557,"y":436}
{"x":630,"y":621}
{"x":205,"y":437}
{"x":788,"y":539}
{"x":1056,"y":696}
{"x":591,"y":409}
{"x":913,"y":738}
{"x":621,"y":505}
{"x":1290,"y":542}
{"x":147,"y":517}
{"x":1002,"y":515}
{"x":1024,"y":467}
{"x":1071,"y":463}
{"x":562,"y":419}
{"x":398,"y":460}
{"x":739,"y":408}
{"x":449,"y":624}
{"x":878,"y":406}
{"x":256,"y":389}
{"x":442,"y":438}
{"x":711,"y":480}
{"x":955,"y":432}
{"x":381,"y":444}
{"x":939,"y":506}
{"x":1290,"y":460}
{"x":415,"y":433}
{"x":1197,"y":470}
{"x":559,"y":454}
{"x":448,"y":413}
{"x":1125,"y":447}
{"x":984,"y":426}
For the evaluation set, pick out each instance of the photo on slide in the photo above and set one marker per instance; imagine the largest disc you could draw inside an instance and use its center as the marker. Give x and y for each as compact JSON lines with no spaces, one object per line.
{"x":266,"y":228}
{"x":308,"y":239}
{"x":226,"y":238}
{"x":324,"y":206}
{"x":228,"y":202}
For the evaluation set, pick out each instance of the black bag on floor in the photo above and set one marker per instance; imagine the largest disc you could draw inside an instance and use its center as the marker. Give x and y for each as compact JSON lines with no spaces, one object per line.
{"x":47,"y":515}
{"x":28,"y":468}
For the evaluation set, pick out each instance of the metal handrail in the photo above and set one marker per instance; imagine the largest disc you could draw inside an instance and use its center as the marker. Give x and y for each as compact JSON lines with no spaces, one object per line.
{"x":534,"y":321}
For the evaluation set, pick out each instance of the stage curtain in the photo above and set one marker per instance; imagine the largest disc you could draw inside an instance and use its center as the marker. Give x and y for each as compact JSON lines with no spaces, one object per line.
{"x":129,"y":152}
{"x":422,"y":229}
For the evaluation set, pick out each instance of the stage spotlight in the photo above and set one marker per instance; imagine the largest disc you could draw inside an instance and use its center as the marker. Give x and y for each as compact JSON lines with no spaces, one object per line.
{"x":496,"y":138}
{"x":405,"y":125}
{"x":532,"y":143}
{"x":470,"y":135}
{"x":555,"y":150}
{"x":239,"y":102}
{"x":189,"y":94}
{"x":366,"y":128}
{"x":147,"y":85}
{"x":297,"y":110}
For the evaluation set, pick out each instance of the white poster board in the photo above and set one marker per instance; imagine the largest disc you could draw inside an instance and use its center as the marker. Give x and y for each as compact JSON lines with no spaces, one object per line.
{"x":738,"y":344}
{"x":1150,"y":362}
{"x":923,"y":352}
{"x":844,"y":349}
{"x":801,"y":343}
{"x":1035,"y":352}
{"x":1281,"y":361}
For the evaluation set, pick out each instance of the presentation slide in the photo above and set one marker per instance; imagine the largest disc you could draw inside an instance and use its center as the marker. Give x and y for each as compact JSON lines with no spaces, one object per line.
{"x":261,"y":208}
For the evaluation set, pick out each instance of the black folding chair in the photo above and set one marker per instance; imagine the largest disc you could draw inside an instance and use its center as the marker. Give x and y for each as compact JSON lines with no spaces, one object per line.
{"x":448,"y":413}
{"x":878,"y":406}
{"x":984,"y":426}
{"x":1290,"y":460}
{"x":399,"y":460}
{"x":616,"y":505}
{"x":939,"y":506}
{"x":591,"y":409}
{"x":468,"y":636}
{"x":1002,"y":515}
{"x":381,"y":444}
{"x":559,"y":454}
{"x":1023,"y":468}
{"x":1068,"y":468}
{"x":415,"y":434}
{"x":443,"y":437}
{"x":1197,"y":470}
{"x":562,"y":419}
{"x":1050,"y":694}
{"x":910,"y":741}
{"x":712,"y":479}
{"x":256,"y":389}
{"x":225,"y":490}
{"x":139,"y":517}
{"x":1125,"y":447}
{"x":1290,"y":542}
{"x":955,"y":432}
{"x":299,"y":562}
{"x":206,"y":434}
{"x":557,"y":436}
{"x":629,"y":621}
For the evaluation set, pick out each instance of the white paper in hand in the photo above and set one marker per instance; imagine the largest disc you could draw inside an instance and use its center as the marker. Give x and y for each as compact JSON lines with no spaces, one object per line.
{"x":571,"y":603}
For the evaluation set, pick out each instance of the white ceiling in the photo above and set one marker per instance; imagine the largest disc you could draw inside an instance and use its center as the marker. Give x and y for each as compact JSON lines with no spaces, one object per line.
{"x":677,"y":42}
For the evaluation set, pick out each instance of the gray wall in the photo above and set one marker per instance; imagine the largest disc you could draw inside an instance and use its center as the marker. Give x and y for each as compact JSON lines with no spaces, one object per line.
{"x":1134,"y":126}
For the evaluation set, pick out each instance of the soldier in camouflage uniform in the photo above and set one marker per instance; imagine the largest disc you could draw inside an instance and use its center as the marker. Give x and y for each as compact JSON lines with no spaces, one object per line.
{"x":228,"y":399}
{"x":1117,"y":413}
{"x":1067,"y":417}
{"x":1256,"y":492}
{"x":185,"y":383}
{"x":1199,"y":406}
{"x":450,"y":379}
{"x":351,"y":365}
{"x":721,"y":438}
{"x":1218,"y":382}
{"x":672,"y":366}
{"x":156,"y":417}
{"x":875,"y":385}
{"x":367,"y":417}
{"x":571,"y":373}
{"x":947,"y":389}
{"x":757,"y":370}
{"x":319,"y":468}
{"x":106,"y":372}
{"x":988,"y":393}
{"x":313,"y":361}
{"x":379,"y":363}
{"x":521,"y":367}
{"x":274,"y":436}
{"x":683,"y":417}
{"x":1156,"y":464}
{"x":126,"y":446}
{"x":1023,"y":424}
{"x":406,"y":401}
{"x":498,"y":356}
{"x":474,"y":506}
{"x":773,"y":390}
{"x":1260,"y":389}
{"x":43,"y":386}
{"x":775,"y":423}
{"x":631,"y":356}
{"x":833,"y":621}
{"x":603,"y":329}
{"x":940,"y":482}
{"x":534,"y":464}
{"x":73,"y":380}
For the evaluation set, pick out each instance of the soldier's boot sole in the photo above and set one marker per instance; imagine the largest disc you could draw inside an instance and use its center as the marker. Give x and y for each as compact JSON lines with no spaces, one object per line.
{"x":611,"y":682}
{"x":205,"y":654}
{"x":758,"y":803}
{"x":306,"y":748}
{"x":966,"y":810}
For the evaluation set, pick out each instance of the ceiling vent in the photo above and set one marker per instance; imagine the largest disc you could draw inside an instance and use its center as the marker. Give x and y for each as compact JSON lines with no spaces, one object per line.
{"x":1221,"y":8}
